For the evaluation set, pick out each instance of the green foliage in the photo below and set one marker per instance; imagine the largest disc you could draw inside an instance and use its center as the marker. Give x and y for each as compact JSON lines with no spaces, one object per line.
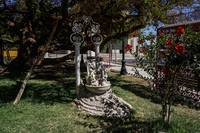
{"x":105,"y":47}
{"x":33,"y":20}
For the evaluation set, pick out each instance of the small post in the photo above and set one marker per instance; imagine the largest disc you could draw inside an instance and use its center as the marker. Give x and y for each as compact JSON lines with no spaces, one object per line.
{"x":123,"y":68}
{"x":134,"y":44}
{"x":116,"y":55}
{"x":110,"y":53}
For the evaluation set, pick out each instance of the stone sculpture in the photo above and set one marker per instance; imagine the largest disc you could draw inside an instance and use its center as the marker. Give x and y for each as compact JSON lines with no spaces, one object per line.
{"x":96,"y":79}
{"x":96,"y":97}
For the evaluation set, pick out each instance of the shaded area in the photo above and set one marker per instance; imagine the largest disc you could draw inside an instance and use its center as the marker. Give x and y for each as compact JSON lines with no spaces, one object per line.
{"x":48,"y":84}
{"x":64,"y":68}
{"x":50,"y":92}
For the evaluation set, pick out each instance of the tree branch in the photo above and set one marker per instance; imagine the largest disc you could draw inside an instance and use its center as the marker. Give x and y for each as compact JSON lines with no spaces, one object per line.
{"x":121,"y":35}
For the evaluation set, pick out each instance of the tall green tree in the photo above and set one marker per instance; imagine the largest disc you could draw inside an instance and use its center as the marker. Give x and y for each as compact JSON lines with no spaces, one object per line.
{"x":33,"y":20}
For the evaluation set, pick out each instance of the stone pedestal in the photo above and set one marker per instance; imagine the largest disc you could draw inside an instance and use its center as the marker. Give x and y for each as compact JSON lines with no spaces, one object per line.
{"x":106,"y":104}
{"x":96,"y":98}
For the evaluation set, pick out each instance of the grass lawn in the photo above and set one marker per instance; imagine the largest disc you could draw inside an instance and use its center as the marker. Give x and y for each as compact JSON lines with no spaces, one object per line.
{"x":46,"y":106}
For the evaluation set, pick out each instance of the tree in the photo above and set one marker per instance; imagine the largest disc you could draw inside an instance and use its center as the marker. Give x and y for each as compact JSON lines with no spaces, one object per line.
{"x":179,"y":73}
{"x":34,"y":65}
{"x":32,"y":20}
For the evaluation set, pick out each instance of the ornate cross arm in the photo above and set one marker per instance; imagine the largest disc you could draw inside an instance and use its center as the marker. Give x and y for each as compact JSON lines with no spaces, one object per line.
{"x":86,"y":27}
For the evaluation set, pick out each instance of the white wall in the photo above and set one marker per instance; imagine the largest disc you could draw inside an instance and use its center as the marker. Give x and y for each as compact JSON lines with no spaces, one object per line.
{"x":132,"y":41}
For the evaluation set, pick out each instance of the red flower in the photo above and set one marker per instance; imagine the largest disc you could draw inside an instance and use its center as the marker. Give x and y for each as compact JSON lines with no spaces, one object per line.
{"x":165,"y":72}
{"x":135,"y":34}
{"x":152,"y":40}
{"x":142,"y":50}
{"x":161,"y":34}
{"x":179,"y":48}
{"x":128,"y":47}
{"x":169,"y":42}
{"x":140,"y":41}
{"x":179,"y":31}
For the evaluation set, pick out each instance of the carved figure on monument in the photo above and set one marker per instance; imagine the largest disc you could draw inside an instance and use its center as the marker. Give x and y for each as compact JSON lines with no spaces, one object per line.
{"x":96,"y":79}
{"x":96,"y":76}
{"x":91,"y":73}
{"x":102,"y":73}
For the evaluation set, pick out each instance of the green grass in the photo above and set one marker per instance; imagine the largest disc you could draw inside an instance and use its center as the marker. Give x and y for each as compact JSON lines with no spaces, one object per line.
{"x":46,"y":106}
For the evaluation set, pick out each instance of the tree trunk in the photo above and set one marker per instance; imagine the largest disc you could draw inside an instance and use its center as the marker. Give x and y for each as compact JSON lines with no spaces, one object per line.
{"x":166,"y":108}
{"x":34,"y":65}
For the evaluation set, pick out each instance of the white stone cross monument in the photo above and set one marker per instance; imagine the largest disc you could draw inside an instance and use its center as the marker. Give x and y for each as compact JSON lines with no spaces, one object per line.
{"x":81,"y":28}
{"x":95,"y":97}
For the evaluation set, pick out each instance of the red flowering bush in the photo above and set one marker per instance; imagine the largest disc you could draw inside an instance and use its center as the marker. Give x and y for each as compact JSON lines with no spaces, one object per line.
{"x":135,"y":34}
{"x":142,"y":50}
{"x":180,"y":31}
{"x":140,"y":41}
{"x":161,"y":34}
{"x":179,"y":48}
{"x":165,"y":72}
{"x":166,"y":58}
{"x":169,"y":42}
{"x":128,"y":48}
{"x":152,"y":40}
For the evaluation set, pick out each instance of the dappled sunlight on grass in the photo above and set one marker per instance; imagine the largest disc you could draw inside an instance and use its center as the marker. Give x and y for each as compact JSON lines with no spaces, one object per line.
{"x":132,"y":84}
{"x":46,"y":106}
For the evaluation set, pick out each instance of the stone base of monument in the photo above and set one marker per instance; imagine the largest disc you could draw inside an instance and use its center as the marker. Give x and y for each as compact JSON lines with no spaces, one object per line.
{"x":106,"y":104}
{"x":98,"y":89}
